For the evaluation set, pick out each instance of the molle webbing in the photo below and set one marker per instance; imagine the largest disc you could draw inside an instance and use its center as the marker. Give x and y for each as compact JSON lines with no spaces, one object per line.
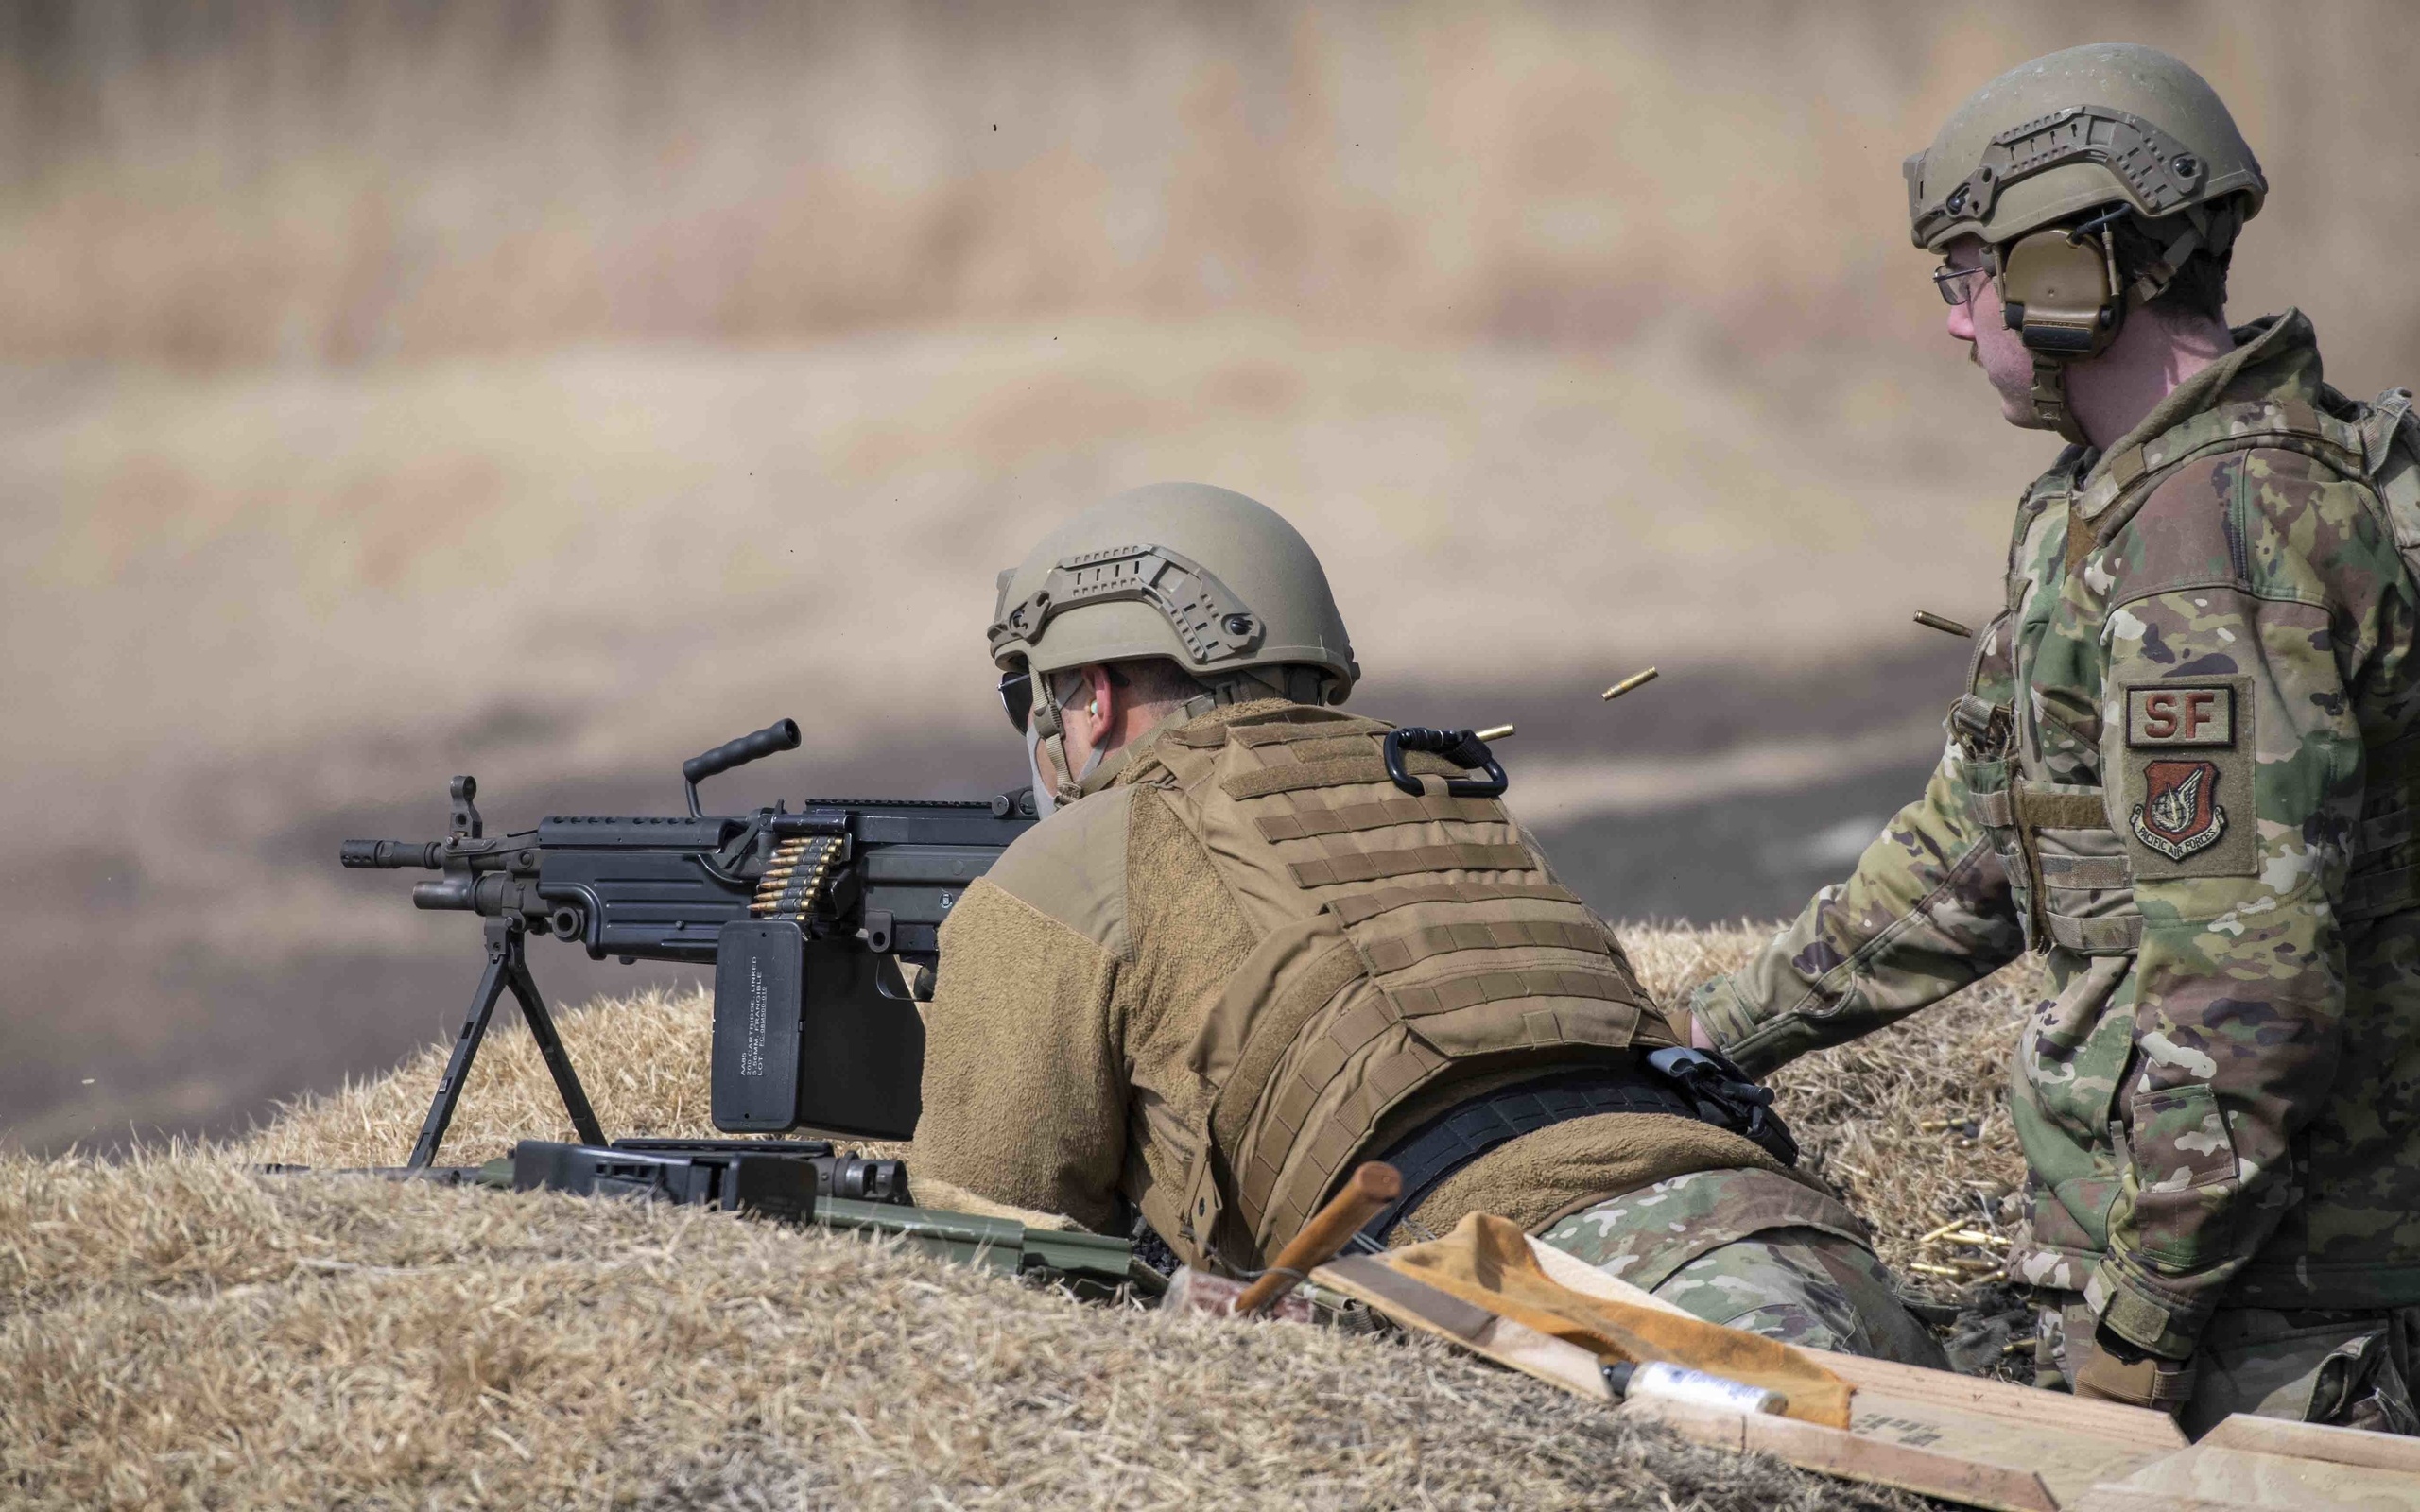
{"x":1333,"y":1041}
{"x":1332,"y":748}
{"x":1458,"y":992}
{"x":1273,"y":1032}
{"x":1371,"y":866}
{"x":2372,"y":894}
{"x":1301,"y":776}
{"x":2059,"y":811}
{"x":1360,"y":907}
{"x":1352,"y":819}
{"x":1396,"y":952}
{"x":1348,"y":1126}
{"x":1275,"y":1028}
{"x":2087,"y":871}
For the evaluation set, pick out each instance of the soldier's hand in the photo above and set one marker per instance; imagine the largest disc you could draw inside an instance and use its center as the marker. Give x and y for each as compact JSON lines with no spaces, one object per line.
{"x":2115,"y":1370}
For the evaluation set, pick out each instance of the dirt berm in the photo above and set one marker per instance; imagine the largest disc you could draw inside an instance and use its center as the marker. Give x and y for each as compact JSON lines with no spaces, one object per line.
{"x":178,"y":1330}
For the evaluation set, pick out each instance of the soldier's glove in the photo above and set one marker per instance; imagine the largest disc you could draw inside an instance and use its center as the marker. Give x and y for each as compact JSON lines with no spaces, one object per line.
{"x":2118,"y":1369}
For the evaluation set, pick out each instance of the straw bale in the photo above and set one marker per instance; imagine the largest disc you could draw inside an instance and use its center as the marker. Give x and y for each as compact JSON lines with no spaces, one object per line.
{"x":178,"y":1328}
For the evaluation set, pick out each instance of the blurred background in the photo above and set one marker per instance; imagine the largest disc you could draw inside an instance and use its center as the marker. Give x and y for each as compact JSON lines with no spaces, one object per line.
{"x":553,"y":391}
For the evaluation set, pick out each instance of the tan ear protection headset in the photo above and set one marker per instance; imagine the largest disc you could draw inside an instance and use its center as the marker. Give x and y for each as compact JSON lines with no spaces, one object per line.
{"x":2060,"y":292}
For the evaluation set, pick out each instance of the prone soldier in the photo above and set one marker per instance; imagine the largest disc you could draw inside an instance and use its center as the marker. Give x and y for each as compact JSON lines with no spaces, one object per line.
{"x":2183,"y":769}
{"x":1256,"y":940}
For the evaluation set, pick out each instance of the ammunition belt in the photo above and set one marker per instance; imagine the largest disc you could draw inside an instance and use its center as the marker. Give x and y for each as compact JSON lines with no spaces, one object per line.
{"x":794,"y":877}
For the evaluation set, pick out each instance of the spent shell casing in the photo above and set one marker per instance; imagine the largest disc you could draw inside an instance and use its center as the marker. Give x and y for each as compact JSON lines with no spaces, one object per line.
{"x":1494,"y":732}
{"x":1932,"y":621}
{"x":1637,"y":680}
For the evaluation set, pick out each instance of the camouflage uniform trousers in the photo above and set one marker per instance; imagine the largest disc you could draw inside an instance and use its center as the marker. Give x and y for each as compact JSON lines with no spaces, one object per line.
{"x":1697,"y":1242}
{"x":2347,"y":1370}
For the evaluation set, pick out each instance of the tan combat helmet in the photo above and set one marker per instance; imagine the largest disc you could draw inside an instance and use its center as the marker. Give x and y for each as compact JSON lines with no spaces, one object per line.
{"x":2028,"y":161}
{"x":1216,"y":583}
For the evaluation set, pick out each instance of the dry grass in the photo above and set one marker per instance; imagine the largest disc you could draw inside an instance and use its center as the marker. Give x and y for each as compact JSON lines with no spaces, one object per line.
{"x":177,"y":1330}
{"x":1911,"y":1123}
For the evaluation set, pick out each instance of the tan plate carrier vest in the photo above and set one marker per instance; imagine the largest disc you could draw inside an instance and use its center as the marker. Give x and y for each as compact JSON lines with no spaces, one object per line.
{"x":1403,"y":942}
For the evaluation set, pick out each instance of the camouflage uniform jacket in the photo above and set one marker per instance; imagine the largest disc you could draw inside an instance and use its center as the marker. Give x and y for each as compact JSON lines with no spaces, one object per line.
{"x":2183,"y":769}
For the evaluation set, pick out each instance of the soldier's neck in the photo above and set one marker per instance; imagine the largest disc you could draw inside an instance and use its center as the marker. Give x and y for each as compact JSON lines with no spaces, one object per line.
{"x":2150,"y":358}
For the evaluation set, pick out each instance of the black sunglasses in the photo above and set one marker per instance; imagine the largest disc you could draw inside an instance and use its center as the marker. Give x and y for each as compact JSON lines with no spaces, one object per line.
{"x":1016,"y":696}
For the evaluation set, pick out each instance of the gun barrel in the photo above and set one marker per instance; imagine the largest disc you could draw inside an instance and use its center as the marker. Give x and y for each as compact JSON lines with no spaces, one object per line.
{"x":391,"y":855}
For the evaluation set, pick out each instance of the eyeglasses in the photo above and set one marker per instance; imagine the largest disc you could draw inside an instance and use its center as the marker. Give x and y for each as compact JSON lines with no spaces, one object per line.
{"x":1958,"y":285}
{"x":1016,"y":696}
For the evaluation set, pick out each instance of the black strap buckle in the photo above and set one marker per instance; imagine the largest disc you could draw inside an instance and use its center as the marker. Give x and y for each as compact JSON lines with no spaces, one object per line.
{"x":1727,"y":1098}
{"x":1460,"y":746}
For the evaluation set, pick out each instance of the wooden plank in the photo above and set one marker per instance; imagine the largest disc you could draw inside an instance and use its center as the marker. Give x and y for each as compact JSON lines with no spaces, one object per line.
{"x":2068,"y":1461}
{"x":1834,"y":1452}
{"x":1419,"y":1305}
{"x":1977,"y":1395}
{"x":2238,"y":1478}
{"x":2121,"y":1499}
{"x":2337,"y":1445}
{"x":2008,"y":1400}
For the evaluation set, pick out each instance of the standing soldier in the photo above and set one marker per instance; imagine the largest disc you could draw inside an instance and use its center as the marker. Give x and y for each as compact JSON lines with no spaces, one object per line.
{"x":2184,"y":770}
{"x":1260,"y":939}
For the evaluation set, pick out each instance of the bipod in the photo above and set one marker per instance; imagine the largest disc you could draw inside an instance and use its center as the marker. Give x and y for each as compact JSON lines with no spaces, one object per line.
{"x":508,"y":967}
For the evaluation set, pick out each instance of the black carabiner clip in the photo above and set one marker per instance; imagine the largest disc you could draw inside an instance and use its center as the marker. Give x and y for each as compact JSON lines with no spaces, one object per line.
{"x":1460,"y":746}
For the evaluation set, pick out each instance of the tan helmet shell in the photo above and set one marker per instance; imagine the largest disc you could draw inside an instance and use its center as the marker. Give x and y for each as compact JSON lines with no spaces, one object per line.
{"x":2088,"y":127}
{"x":1216,"y":582}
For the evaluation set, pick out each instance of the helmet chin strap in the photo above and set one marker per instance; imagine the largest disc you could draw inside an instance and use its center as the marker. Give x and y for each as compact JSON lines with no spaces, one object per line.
{"x":2051,"y":411}
{"x":1046,"y":726}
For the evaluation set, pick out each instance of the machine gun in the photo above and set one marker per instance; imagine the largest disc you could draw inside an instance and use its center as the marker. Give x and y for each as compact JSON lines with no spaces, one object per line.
{"x":809,"y":918}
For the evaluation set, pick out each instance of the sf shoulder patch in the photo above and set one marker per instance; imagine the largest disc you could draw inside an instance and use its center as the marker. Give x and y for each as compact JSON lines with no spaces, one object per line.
{"x":2188,"y":778}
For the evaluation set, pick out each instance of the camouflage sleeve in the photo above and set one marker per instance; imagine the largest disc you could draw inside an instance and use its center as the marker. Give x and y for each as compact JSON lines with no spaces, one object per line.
{"x":1927,"y":912}
{"x":2229,"y":732}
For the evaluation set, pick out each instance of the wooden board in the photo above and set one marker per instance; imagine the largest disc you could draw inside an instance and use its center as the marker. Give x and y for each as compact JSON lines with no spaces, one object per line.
{"x":2072,"y":1444}
{"x":1969,"y":1395}
{"x":1952,"y":1475}
{"x":2216,"y":1479}
{"x":2338,"y":1445}
{"x":1984,"y":1443}
{"x":1882,"y":1459}
{"x":1420,"y":1306}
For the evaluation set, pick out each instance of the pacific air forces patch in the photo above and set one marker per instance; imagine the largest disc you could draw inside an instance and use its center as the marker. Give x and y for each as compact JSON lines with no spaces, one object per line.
{"x":2188,"y":778}
{"x":2179,"y":811}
